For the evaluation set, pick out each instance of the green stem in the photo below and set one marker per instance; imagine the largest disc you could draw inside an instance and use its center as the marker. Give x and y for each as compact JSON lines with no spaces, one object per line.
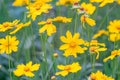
{"x":75,"y":28}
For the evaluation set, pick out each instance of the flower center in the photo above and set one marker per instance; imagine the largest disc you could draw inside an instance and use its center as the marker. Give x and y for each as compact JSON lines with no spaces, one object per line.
{"x":75,"y":4}
{"x":92,"y":49}
{"x":72,"y":44}
{"x":5,"y":25}
{"x":67,"y":68}
{"x":118,"y":28}
{"x":8,"y":45}
{"x":26,"y":69}
{"x":37,"y":6}
{"x":67,"y":2}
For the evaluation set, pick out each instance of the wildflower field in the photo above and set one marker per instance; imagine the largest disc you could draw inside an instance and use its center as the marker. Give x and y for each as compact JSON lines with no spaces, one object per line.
{"x":59,"y":39}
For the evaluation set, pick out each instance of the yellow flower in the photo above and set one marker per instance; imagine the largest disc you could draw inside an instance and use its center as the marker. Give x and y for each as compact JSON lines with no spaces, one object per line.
{"x":38,"y":7}
{"x":26,"y":70}
{"x":86,"y":8}
{"x":99,"y":76}
{"x":114,"y":26}
{"x":48,"y":26}
{"x":5,"y":26}
{"x":100,"y":33}
{"x":71,"y":68}
{"x":66,"y":2}
{"x":103,"y":2}
{"x":114,"y":30}
{"x":19,"y":26}
{"x":114,"y":37}
{"x":113,"y":55}
{"x":72,"y":44}
{"x":8,"y":45}
{"x":89,"y":21}
{"x":62,"y":19}
{"x":95,"y":47}
{"x":21,"y":2}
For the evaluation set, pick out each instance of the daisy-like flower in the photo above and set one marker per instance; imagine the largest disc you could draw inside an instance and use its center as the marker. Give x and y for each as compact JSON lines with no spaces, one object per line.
{"x":62,"y":19}
{"x":113,"y":55}
{"x":38,"y":7}
{"x":18,"y":26}
{"x":8,"y":45}
{"x":26,"y":70}
{"x":66,"y":69}
{"x":6,"y":26}
{"x":114,"y":30}
{"x":66,"y":2}
{"x":72,"y":44}
{"x":88,"y":20}
{"x":99,"y":76}
{"x":86,"y":8}
{"x":103,"y":2}
{"x":100,"y":33}
{"x":48,"y":26}
{"x":21,"y":2}
{"x":114,"y":26}
{"x":95,"y":47}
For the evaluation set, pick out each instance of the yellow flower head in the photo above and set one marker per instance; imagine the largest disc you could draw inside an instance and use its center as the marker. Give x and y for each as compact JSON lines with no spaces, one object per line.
{"x":5,"y":26}
{"x":86,"y":8}
{"x":38,"y":7}
{"x":114,"y":37}
{"x":103,"y":2}
{"x":113,"y":55}
{"x":66,"y":2}
{"x":114,"y":30}
{"x":21,"y":2}
{"x":96,"y":47}
{"x":8,"y":45}
{"x":72,"y":44}
{"x":26,"y":70}
{"x":48,"y":26}
{"x":62,"y":19}
{"x":114,"y":26}
{"x":99,"y":76}
{"x":19,"y":26}
{"x":71,"y":68}
{"x":89,"y":21}
{"x":100,"y":33}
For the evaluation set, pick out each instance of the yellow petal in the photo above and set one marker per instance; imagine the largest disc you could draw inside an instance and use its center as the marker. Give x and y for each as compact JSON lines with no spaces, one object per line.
{"x":64,"y":46}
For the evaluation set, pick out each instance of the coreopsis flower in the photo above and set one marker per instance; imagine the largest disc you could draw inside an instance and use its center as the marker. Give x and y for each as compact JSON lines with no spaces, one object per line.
{"x":8,"y":44}
{"x":38,"y":7}
{"x":100,"y":33}
{"x":95,"y":47}
{"x":114,"y":30}
{"x":114,"y":53}
{"x":66,"y":2}
{"x":21,"y":2}
{"x":62,"y":19}
{"x":114,"y":26}
{"x":103,"y":2}
{"x":6,"y":26}
{"x":72,"y":44}
{"x":88,"y":20}
{"x":114,"y":37}
{"x":18,"y":26}
{"x":26,"y":70}
{"x":66,"y":69}
{"x":99,"y":76}
{"x":86,"y":8}
{"x":48,"y":26}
